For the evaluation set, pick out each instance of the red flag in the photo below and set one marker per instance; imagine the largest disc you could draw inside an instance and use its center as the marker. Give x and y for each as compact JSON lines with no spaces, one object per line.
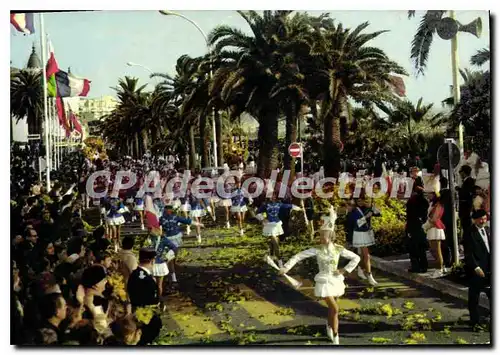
{"x":75,"y":122}
{"x":61,"y":113}
{"x":398,"y":85}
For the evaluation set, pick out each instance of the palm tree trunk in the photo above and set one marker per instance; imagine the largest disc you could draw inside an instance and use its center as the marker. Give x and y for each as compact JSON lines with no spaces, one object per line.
{"x":268,"y":143}
{"x":136,"y":135}
{"x":331,"y":153}
{"x":409,"y":134}
{"x":344,"y":117}
{"x":291,"y":136}
{"x":203,"y":141}
{"x":145,"y":139}
{"x":192,"y":149}
{"x":218,"y":136}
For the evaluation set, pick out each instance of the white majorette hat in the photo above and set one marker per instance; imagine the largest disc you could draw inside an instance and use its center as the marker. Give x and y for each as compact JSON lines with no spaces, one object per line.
{"x":329,"y":220}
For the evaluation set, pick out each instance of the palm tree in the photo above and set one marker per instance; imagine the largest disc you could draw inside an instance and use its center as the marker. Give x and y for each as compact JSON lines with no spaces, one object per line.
{"x":343,"y":67}
{"x":468,"y":77}
{"x":406,"y":114}
{"x":182,"y":86}
{"x":126,"y":126}
{"x":481,"y":57}
{"x":422,"y":40}
{"x":26,"y":99}
{"x":250,"y":72}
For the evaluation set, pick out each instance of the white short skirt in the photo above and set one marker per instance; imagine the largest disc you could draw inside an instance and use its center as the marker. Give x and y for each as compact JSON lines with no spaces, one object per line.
{"x":139,"y":207}
{"x":103,"y":211}
{"x":327,"y":285}
{"x":116,"y":221}
{"x":185,"y":207}
{"x":160,"y":270}
{"x":363,"y":239}
{"x":225,"y":203}
{"x":197,"y":213}
{"x":436,"y":234}
{"x":129,"y":200}
{"x":273,"y":229}
{"x":235,"y":209}
{"x":214,"y":199}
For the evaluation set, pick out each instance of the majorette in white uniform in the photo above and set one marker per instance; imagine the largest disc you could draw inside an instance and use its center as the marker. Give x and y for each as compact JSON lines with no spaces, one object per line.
{"x":328,"y":283}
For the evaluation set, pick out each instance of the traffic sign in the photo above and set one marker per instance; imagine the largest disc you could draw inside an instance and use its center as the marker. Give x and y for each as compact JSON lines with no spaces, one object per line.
{"x":442,"y":155}
{"x":295,"y":150}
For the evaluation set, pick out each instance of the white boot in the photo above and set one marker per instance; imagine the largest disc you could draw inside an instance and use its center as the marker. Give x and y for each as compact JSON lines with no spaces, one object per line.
{"x":142,"y":227}
{"x":329,"y":332}
{"x":371,"y":280}
{"x":336,"y":339}
{"x":228,"y":225}
{"x":188,"y":230}
{"x":242,"y":232}
{"x":174,"y":279}
{"x":280,"y":263}
{"x":198,"y":239}
{"x":361,"y":274}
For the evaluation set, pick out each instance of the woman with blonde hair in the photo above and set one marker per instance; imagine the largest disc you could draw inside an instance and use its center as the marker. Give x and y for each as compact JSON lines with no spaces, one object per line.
{"x":329,"y":281}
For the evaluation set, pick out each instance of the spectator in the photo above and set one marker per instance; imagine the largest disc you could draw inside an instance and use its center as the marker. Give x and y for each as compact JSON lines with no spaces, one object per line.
{"x":447,"y":218}
{"x":52,"y":310}
{"x":465,"y":193}
{"x":125,"y":332}
{"x":143,"y":291}
{"x":434,"y":228}
{"x":127,"y":259}
{"x":478,"y":262}
{"x":416,"y":215}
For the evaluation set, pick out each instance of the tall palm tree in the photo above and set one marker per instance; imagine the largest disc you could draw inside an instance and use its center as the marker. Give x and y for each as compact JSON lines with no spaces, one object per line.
{"x":245,"y":79}
{"x":344,"y":67}
{"x":26,"y":99}
{"x":182,"y":85}
{"x":126,"y":125}
{"x":259,"y":74}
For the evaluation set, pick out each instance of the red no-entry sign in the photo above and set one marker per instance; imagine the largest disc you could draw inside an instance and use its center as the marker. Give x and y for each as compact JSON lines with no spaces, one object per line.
{"x":295,"y":150}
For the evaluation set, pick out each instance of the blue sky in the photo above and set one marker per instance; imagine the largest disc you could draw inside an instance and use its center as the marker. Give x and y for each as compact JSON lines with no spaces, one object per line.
{"x":97,"y":45}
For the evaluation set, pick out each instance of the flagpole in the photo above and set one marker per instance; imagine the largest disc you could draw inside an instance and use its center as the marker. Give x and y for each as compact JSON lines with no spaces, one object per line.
{"x":45,"y":111}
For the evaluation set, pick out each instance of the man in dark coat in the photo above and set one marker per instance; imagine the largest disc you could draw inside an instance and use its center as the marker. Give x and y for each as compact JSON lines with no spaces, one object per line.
{"x":465,"y":196}
{"x":143,"y":291}
{"x":447,"y":218}
{"x":416,"y":215}
{"x":477,"y":244}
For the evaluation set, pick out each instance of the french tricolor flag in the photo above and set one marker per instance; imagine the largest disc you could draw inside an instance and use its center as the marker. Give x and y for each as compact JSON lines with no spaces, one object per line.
{"x":23,"y":22}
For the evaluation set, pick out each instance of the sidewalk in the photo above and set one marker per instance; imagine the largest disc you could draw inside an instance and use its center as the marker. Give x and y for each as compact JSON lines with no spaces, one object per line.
{"x":399,"y":266}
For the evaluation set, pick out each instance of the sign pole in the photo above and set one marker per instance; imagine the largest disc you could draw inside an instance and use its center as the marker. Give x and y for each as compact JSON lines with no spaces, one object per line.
{"x":301,"y":160}
{"x":451,"y":185}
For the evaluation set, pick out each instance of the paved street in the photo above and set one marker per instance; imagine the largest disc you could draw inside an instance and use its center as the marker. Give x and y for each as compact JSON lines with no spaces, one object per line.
{"x":227,"y":295}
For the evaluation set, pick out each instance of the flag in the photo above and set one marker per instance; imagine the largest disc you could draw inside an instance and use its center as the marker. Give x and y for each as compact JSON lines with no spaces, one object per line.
{"x":23,"y":22}
{"x":398,"y":85}
{"x":74,"y":121}
{"x":152,"y":219}
{"x":61,"y":113}
{"x":62,"y":84}
{"x":50,"y":71}
{"x":69,"y":85}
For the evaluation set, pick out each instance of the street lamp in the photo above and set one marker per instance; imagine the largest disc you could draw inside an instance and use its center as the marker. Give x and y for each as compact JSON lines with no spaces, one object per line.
{"x":132,"y":64}
{"x":172,"y":13}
